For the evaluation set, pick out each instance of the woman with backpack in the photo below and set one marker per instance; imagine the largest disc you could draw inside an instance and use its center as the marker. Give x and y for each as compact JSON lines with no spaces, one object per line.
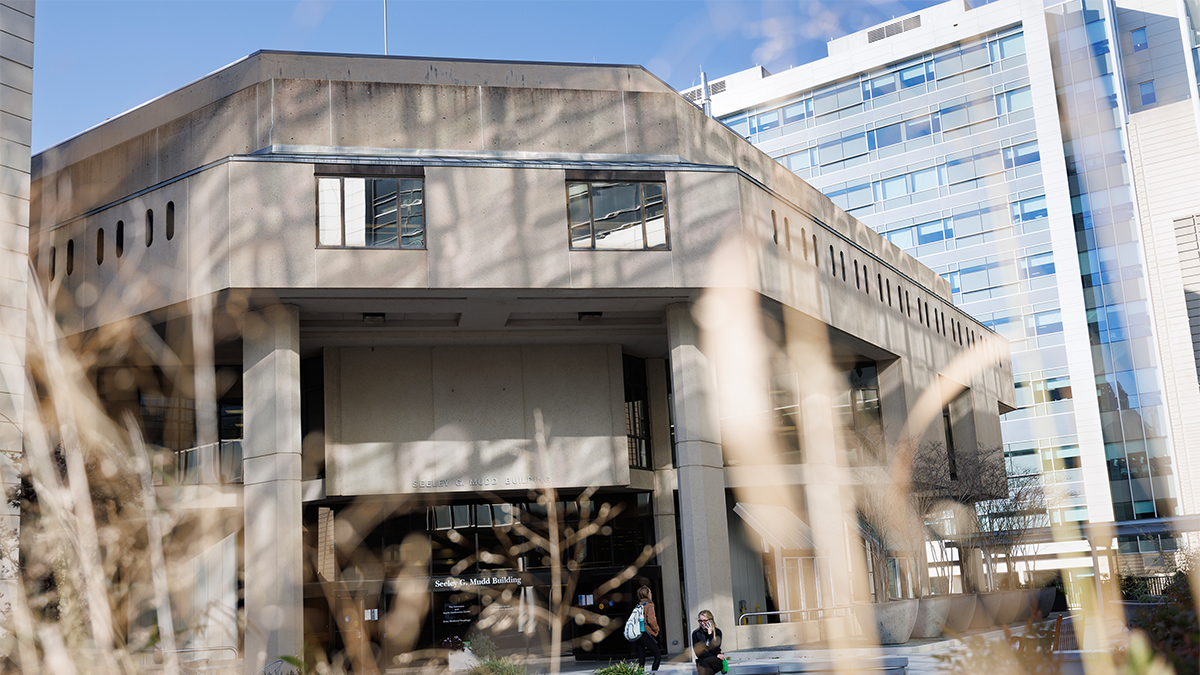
{"x":649,"y":637}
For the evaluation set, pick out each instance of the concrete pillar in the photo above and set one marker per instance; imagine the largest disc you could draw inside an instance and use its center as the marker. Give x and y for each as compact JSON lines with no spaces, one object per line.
{"x":16,"y":50}
{"x":673,"y":618}
{"x":273,"y":537}
{"x":701,"y":476}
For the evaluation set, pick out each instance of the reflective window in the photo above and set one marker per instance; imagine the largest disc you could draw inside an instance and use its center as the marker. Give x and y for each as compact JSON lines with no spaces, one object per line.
{"x":1146,"y":91}
{"x":1012,"y":45}
{"x":360,"y":212}
{"x":1012,"y":101}
{"x":617,"y":215}
{"x":1139,"y":40}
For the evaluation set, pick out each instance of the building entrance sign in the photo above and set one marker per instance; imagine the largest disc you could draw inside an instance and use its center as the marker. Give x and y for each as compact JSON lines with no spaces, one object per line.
{"x":471,"y":583}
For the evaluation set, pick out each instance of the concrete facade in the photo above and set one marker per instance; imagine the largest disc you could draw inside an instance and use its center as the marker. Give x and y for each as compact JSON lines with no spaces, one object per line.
{"x":419,"y":382}
{"x":16,"y":90}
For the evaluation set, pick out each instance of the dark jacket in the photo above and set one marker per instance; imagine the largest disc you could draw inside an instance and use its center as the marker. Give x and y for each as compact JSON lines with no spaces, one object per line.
{"x":704,"y":646}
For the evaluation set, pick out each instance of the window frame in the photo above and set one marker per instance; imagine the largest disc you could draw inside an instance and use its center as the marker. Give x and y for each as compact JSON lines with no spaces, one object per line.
{"x":638,"y":178}
{"x":397,"y":173}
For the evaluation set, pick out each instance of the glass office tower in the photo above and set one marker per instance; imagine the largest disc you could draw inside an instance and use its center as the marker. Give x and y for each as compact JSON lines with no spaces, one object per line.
{"x":1041,"y":157}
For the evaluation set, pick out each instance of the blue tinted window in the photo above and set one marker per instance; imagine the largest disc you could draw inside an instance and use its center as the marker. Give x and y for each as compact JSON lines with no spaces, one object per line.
{"x":927,"y":233}
{"x":881,"y":86}
{"x":1012,"y":45}
{"x":889,"y":135}
{"x":1146,"y":89}
{"x":1139,"y":40}
{"x":911,"y":77}
{"x":1020,"y":155}
{"x":796,"y":112}
{"x":1040,"y":265}
{"x":1032,"y":209}
{"x":902,"y":238}
{"x":768,"y":120}
{"x":922,"y":126}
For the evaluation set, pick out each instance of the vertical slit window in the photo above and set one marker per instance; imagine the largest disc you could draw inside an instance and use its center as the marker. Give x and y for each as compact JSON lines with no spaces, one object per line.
{"x":787,"y":234}
{"x":857,"y":281}
{"x":816,"y":261}
{"x":832,"y":263}
{"x":70,"y":256}
{"x":149,"y":227}
{"x":53,"y":255}
{"x":804,"y":242}
{"x":879,"y":284}
{"x":842,"y":256}
{"x":119,"y":239}
{"x":774,"y":228}
{"x":100,"y":246}
{"x":170,"y":221}
{"x":889,"y":292}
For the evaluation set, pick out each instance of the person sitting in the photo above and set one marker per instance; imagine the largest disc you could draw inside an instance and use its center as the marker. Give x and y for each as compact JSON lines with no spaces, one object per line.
{"x":706,"y":645}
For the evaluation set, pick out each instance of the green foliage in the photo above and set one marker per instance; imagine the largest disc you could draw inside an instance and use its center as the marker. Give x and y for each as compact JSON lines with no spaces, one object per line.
{"x":481,"y":645}
{"x":496,"y":667}
{"x":619,"y":668}
{"x":1031,"y":653}
{"x":1140,"y":659}
{"x":1172,"y":628}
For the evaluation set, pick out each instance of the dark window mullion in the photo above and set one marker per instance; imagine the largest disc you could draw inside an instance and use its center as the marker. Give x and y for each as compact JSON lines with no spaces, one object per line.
{"x":591,"y":216}
{"x":641,"y":198}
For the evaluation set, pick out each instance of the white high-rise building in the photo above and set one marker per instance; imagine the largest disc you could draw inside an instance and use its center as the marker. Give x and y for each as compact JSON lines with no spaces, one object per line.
{"x":1045,"y":159}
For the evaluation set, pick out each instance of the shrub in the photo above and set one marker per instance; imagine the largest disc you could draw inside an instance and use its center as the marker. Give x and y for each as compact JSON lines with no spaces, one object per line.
{"x":1172,"y":627}
{"x":497,"y":667}
{"x":619,"y":668}
{"x":481,"y":645}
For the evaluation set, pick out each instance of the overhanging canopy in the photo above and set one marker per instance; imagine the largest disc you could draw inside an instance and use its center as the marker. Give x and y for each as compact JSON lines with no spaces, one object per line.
{"x":778,"y":525}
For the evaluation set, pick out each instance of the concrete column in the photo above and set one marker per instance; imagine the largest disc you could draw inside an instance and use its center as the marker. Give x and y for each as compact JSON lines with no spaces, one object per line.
{"x":673,"y":618}
{"x":273,"y":536}
{"x":701,"y":476}
{"x":16,"y":50}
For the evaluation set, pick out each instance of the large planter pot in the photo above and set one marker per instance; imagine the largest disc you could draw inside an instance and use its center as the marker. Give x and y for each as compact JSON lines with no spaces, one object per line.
{"x":984,"y":615}
{"x":893,"y":620}
{"x":962,"y":611}
{"x":1010,"y":606}
{"x":931,"y":616}
{"x":1028,"y":605}
{"x":1045,"y":601}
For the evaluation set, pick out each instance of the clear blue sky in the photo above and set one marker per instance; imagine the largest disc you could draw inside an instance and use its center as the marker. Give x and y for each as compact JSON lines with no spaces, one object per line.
{"x":96,"y":59}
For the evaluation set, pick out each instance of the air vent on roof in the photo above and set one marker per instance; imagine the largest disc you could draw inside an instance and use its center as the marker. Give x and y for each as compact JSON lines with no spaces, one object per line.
{"x":693,"y":95}
{"x":877,"y":34}
{"x":716,"y":87}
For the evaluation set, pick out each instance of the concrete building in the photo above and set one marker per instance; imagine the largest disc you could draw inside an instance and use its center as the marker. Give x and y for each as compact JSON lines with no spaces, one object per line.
{"x":392,"y":301}
{"x":16,"y":108}
{"x":1041,"y":157}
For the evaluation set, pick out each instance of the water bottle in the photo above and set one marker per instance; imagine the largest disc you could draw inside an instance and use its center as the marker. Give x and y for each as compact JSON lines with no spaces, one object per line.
{"x":642,"y":624}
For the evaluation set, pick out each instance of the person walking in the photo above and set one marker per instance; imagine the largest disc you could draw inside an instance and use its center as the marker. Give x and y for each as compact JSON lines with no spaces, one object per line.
{"x":706,"y":645}
{"x":649,"y":637}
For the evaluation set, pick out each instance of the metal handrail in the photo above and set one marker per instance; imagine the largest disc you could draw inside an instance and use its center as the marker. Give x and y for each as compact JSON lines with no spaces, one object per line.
{"x":843,"y":609}
{"x":160,"y":652}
